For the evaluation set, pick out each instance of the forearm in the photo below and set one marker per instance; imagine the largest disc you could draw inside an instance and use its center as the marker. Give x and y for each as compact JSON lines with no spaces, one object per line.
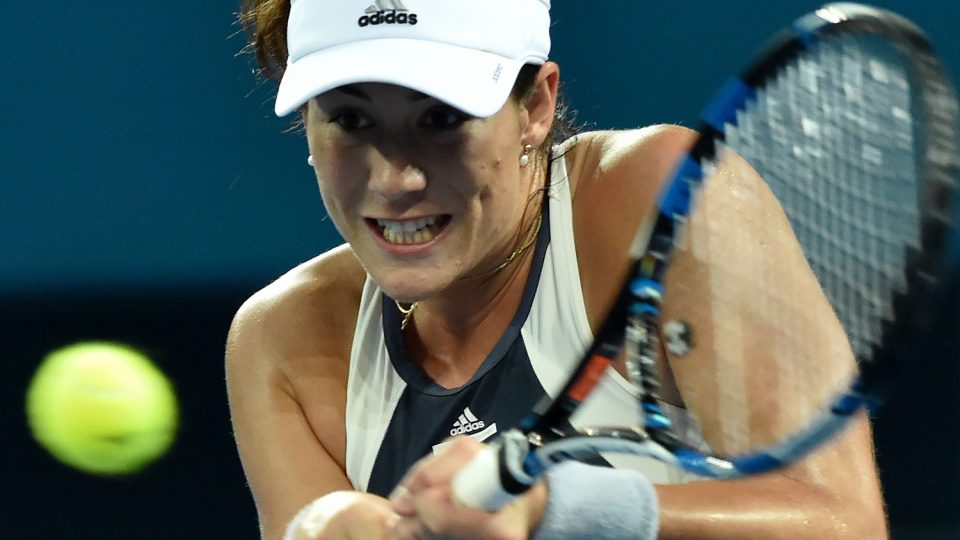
{"x":769,"y":507}
{"x":612,"y":504}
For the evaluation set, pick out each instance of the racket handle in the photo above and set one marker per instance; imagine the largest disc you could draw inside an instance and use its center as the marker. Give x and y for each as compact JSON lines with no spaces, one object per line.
{"x":495,"y":475}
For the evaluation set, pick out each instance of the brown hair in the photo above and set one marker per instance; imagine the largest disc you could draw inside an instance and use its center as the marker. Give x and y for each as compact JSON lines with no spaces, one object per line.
{"x":265,"y":24}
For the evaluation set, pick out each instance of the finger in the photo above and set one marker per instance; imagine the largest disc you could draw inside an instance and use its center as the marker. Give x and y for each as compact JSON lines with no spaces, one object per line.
{"x":442,"y":517}
{"x":365,"y":526}
{"x":439,"y":469}
{"x":409,"y":529}
{"x":434,"y":508}
{"x":412,"y":477}
{"x":402,"y":502}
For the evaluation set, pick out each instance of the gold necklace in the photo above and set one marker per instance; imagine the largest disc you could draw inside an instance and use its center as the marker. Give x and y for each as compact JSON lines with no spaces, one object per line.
{"x":523,"y":247}
{"x":408,"y":312}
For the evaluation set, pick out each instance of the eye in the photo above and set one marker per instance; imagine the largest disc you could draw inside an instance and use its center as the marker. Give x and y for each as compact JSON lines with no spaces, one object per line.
{"x":443,"y":118}
{"x":351,"y":120}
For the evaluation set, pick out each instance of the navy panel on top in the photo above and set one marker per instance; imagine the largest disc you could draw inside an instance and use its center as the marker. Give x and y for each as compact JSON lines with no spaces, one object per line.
{"x":499,"y":394}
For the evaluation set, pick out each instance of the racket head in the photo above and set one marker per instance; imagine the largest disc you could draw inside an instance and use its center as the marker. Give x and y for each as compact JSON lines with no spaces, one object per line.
{"x":881,"y":115}
{"x":851,"y":122}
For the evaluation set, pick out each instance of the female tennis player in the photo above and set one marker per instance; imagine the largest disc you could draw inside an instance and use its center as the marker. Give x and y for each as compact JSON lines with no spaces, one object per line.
{"x":481,"y":254}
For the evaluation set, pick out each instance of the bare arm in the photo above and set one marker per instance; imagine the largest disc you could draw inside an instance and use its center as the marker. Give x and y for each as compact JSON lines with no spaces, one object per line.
{"x":286,"y":378}
{"x":769,"y":348}
{"x":751,"y":376}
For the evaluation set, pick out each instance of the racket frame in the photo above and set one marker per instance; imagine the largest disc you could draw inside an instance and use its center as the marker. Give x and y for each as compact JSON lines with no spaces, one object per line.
{"x":640,"y":298}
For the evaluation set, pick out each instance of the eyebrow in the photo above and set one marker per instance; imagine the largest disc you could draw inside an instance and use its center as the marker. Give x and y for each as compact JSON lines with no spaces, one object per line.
{"x":352,"y":90}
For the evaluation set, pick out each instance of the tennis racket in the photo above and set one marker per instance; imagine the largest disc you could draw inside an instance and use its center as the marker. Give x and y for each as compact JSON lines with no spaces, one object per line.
{"x":848,"y":117}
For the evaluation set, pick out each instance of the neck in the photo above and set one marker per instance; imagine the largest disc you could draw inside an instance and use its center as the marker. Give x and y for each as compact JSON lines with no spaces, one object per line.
{"x":526,"y":237}
{"x":450,"y":337}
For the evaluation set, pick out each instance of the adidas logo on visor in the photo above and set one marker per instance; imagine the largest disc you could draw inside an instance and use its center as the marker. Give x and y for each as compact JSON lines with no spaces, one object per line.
{"x":387,"y":12}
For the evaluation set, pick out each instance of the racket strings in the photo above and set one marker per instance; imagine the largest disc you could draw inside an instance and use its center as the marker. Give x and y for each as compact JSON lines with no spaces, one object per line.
{"x":752,"y":302}
{"x":837,"y":138}
{"x":833,"y":136}
{"x":852,"y":138}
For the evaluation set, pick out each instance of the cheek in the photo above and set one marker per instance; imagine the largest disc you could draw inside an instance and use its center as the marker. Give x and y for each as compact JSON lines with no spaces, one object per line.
{"x":341,"y":199}
{"x":336,"y":187}
{"x":341,"y":181}
{"x":491,"y":160}
{"x":338,"y":164}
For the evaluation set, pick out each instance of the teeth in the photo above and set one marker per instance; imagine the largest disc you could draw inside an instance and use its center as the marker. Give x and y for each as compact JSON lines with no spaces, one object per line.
{"x":411,"y":231}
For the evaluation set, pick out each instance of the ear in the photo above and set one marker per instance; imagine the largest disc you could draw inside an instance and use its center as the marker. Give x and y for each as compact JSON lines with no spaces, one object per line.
{"x":541,"y":106}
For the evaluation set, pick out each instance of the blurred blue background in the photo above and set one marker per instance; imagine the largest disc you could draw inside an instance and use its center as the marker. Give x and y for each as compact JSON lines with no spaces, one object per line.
{"x":147,"y":189}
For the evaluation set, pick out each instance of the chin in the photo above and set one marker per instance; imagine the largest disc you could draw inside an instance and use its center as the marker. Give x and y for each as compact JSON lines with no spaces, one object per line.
{"x":404,"y":289}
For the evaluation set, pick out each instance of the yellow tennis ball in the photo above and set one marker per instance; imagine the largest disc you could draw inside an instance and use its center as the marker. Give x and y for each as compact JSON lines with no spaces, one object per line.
{"x":101,"y":407}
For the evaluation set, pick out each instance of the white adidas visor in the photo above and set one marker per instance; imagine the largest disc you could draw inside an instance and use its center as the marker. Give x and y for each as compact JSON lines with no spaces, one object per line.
{"x":466,"y":53}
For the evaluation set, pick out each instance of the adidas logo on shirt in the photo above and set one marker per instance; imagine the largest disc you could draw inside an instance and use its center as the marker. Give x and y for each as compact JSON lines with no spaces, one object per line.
{"x":387,"y":12}
{"x":466,"y":423}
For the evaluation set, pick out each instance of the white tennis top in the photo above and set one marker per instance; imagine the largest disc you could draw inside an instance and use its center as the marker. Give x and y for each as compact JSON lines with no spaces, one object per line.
{"x":395,"y":414}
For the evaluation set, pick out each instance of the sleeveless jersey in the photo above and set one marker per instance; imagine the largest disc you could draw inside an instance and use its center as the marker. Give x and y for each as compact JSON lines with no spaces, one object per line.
{"x":395,"y":414}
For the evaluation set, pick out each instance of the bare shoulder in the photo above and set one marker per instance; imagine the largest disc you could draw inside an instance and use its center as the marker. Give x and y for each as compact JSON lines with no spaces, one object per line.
{"x":287,"y":362}
{"x":615,"y":177}
{"x":632,"y":157}
{"x":309,"y":311}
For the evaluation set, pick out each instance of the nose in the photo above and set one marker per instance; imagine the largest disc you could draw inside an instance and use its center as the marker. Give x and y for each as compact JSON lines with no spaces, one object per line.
{"x":395,"y":178}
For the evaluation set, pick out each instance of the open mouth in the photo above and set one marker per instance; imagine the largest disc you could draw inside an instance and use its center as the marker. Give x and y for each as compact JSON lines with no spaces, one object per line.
{"x":412,"y":231}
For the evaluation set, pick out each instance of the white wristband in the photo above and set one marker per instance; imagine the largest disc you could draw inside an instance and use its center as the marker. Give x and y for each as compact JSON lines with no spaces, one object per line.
{"x":585,"y":501}
{"x":300,"y":526}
